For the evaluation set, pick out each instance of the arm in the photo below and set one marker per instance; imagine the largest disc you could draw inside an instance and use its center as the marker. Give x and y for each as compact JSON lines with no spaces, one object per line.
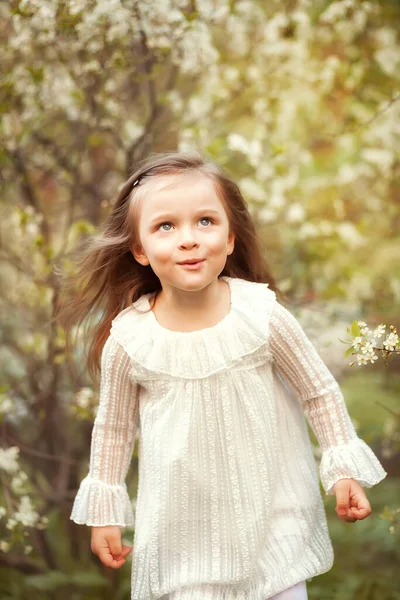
{"x":344,"y":454}
{"x":102,"y":498}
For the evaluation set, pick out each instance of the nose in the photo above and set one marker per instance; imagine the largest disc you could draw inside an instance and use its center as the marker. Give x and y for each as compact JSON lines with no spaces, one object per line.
{"x":188,"y":238}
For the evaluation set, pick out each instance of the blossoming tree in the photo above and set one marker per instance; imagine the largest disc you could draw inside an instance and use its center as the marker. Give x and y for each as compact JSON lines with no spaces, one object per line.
{"x":299,"y":99}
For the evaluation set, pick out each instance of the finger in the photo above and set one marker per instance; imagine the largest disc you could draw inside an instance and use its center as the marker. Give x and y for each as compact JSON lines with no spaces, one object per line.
{"x":342,"y":497}
{"x":109,"y":561}
{"x":350,"y":519}
{"x":363,"y":505}
{"x":114,"y":543}
{"x":125,"y":551}
{"x":360,"y":506}
{"x":360,"y":513}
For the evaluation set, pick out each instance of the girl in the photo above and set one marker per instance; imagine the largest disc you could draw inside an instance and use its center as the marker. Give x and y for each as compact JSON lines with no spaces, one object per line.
{"x":202,"y":363}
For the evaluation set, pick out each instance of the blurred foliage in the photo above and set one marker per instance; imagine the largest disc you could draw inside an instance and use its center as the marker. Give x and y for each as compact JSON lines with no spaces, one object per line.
{"x":366,"y":557}
{"x":300,"y":101}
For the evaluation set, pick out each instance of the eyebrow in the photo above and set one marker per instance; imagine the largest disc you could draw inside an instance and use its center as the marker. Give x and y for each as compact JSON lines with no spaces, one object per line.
{"x":163,"y":216}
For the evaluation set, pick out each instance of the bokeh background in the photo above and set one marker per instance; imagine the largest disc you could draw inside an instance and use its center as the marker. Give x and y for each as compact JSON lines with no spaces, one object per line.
{"x":300,"y":101}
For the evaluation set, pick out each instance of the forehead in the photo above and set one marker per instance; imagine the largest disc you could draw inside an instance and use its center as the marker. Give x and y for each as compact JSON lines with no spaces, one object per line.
{"x":177,"y":192}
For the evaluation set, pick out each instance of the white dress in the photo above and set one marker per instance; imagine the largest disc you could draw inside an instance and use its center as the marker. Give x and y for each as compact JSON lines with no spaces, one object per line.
{"x":229,"y":504}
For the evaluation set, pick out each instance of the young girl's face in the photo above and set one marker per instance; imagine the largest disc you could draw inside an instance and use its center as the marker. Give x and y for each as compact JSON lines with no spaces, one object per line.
{"x":182,"y":219}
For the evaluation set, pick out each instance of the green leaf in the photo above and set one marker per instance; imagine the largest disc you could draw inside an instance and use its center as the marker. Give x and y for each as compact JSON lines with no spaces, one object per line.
{"x":94,"y":140}
{"x":39,"y":241}
{"x":349,"y":351}
{"x":386,"y":514}
{"x":47,"y":582}
{"x":59,"y":359}
{"x":82,"y":227}
{"x":88,"y":579}
{"x":355,"y":329}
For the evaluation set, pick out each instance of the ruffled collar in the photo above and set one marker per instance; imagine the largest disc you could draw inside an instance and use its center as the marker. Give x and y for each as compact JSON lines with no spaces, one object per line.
{"x":199,"y":353}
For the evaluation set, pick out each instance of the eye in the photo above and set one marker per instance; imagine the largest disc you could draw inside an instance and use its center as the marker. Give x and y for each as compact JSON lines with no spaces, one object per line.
{"x":162,"y":224}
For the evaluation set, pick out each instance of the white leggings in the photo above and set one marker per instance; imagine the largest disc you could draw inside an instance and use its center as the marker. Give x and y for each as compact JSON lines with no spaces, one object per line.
{"x":296,"y":592}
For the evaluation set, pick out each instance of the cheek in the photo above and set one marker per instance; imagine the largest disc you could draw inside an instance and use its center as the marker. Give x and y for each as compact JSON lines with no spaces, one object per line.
{"x":161,"y":248}
{"x":218,"y":240}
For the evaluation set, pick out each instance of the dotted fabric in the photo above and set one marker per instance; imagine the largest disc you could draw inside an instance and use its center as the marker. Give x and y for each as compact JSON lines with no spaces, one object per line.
{"x":229,"y":504}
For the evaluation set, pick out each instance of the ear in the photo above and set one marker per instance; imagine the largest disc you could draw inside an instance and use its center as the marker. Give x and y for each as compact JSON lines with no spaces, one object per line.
{"x":231,"y":242}
{"x":139,"y":255}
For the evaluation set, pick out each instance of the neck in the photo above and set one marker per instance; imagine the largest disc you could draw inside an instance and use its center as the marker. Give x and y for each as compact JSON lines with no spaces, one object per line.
{"x":178,"y":309}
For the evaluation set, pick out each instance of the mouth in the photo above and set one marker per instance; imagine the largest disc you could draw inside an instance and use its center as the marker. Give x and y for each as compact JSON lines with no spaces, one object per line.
{"x":193,"y":261}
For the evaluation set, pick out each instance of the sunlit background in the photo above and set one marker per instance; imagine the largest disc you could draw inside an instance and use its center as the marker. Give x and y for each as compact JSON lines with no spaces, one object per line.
{"x":300,"y":102}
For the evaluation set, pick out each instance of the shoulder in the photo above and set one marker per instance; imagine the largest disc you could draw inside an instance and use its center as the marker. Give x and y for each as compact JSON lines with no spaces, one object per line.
{"x":249,"y":287}
{"x":132,"y":313}
{"x":129,"y":324}
{"x":253,"y":294}
{"x":114,"y":356}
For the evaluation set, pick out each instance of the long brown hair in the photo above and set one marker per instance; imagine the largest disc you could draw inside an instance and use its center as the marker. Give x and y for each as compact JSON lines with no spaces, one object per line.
{"x":105,"y":277}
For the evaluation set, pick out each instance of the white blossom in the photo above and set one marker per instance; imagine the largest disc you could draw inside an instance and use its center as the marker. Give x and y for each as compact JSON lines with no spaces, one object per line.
{"x":250,"y":188}
{"x":391,"y":341}
{"x":335,"y":11}
{"x":326,"y":227}
{"x":42,"y":523}
{"x":307,"y":230}
{"x":83,"y":397}
{"x":9,"y":459}
{"x":357,"y":342}
{"x":195,"y":49}
{"x":381,"y":158}
{"x":237,"y":142}
{"x":361,"y":359}
{"x":367,"y":348}
{"x":267,"y":215}
{"x":350,"y":235}
{"x":253,"y":72}
{"x":274,"y":27}
{"x":18,"y":482}
{"x":328,"y":73}
{"x":7,"y":405}
{"x":132,"y":131}
{"x":175,"y":100}
{"x":237,"y":32}
{"x":295,"y":213}
{"x":264,"y":171}
{"x":388,"y":59}
{"x":25,"y":514}
{"x":76,"y":6}
{"x":231,"y":73}
{"x":379,"y":331}
{"x":385,"y":37}
{"x":11,"y":523}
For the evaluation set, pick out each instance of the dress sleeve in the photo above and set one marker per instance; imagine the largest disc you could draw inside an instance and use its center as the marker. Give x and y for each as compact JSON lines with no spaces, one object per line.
{"x":344,"y":454}
{"x":102,"y":498}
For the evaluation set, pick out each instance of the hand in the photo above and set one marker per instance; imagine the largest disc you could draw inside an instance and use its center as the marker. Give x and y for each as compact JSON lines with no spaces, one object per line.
{"x":351,"y":502}
{"x":106,"y":544}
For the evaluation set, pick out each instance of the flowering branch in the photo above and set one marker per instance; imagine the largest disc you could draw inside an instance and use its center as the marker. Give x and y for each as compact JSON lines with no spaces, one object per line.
{"x":364,"y":346}
{"x":365,"y":339}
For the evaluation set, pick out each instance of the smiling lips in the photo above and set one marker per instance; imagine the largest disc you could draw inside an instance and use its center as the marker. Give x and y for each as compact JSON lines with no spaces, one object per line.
{"x":191,"y":261}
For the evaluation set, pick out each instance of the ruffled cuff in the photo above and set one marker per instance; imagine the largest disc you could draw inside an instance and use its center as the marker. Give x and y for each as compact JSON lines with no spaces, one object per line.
{"x":354,"y":460}
{"x":98,"y":504}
